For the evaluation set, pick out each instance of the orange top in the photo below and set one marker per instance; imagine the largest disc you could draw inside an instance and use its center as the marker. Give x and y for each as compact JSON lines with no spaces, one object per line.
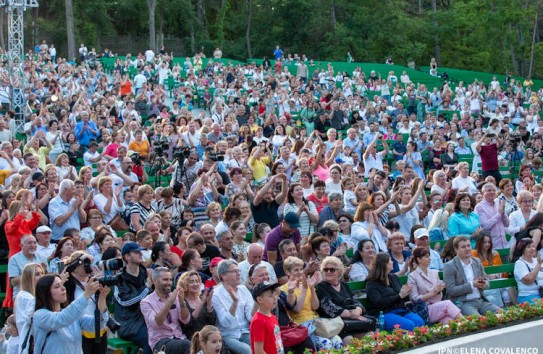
{"x":141,"y":148}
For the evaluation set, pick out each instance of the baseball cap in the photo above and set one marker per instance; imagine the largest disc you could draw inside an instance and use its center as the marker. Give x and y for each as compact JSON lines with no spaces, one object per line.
{"x":215,"y":261}
{"x":292,"y":220}
{"x":43,"y":228}
{"x":131,"y":247}
{"x":421,"y":233}
{"x":38,"y":175}
{"x":264,"y":286}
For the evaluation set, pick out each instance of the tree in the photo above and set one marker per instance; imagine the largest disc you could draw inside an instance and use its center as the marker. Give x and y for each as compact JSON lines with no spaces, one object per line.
{"x":70,"y":29}
{"x":151,"y":4}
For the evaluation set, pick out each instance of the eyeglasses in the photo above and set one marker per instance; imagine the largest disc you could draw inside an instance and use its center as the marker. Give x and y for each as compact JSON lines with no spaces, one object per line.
{"x":236,"y":271}
{"x":329,"y":270}
{"x":527,"y":201}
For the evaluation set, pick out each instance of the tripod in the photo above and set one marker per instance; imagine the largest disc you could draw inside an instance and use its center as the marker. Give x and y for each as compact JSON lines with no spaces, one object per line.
{"x":157,"y":165}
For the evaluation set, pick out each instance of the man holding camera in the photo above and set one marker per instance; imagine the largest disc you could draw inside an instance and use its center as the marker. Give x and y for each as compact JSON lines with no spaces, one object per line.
{"x":133,"y":287}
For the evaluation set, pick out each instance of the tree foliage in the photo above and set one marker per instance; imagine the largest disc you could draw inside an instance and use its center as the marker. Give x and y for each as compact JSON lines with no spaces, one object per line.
{"x":484,"y":35}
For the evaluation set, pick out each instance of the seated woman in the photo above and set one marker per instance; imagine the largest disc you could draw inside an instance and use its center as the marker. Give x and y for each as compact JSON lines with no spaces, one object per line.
{"x":464,"y":221}
{"x":399,"y":256}
{"x":426,"y":286}
{"x":191,"y":261}
{"x":528,"y":274}
{"x":362,"y":261}
{"x":198,"y":303}
{"x":336,"y":299}
{"x":386,"y":294}
{"x":304,"y":302}
{"x":485,"y":252}
{"x":64,"y":249}
{"x":103,"y":239}
{"x":321,"y":248}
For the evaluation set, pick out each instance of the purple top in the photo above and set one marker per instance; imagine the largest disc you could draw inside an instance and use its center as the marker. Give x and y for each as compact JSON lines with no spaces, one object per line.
{"x":275,"y":237}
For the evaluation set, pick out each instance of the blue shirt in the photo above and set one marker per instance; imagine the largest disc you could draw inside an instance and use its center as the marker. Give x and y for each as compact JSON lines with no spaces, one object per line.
{"x":459,"y":224}
{"x":65,"y":328}
{"x":84,"y":136}
{"x":57,"y":208}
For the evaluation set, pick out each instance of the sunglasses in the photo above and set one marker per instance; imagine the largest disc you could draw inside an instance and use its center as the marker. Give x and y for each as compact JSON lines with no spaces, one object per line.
{"x":329,"y":270}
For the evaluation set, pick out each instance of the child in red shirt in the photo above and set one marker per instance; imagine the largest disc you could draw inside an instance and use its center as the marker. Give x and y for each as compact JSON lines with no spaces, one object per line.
{"x":264,"y":328}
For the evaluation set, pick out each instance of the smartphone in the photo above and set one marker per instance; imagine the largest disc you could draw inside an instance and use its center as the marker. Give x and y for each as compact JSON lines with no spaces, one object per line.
{"x":61,"y":266}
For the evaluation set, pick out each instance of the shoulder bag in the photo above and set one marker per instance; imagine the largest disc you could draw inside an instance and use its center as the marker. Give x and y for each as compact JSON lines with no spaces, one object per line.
{"x":328,"y":327}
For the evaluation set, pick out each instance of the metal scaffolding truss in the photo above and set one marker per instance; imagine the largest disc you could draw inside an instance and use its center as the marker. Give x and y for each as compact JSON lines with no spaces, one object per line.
{"x":15,"y":55}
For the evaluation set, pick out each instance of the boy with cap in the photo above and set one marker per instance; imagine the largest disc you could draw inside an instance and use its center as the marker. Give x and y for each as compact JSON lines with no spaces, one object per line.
{"x":264,"y":329}
{"x":214,"y":280}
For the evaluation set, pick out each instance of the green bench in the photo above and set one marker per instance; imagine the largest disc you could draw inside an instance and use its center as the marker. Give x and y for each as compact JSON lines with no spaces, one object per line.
{"x":125,"y":345}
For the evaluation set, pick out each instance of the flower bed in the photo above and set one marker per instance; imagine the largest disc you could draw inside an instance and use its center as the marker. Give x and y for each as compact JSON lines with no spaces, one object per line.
{"x":399,"y":339}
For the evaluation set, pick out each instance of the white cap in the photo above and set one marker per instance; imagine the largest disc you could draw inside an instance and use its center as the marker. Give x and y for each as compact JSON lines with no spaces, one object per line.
{"x":43,"y":228}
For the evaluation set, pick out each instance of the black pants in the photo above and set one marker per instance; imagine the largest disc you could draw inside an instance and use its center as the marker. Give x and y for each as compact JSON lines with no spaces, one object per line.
{"x":494,"y":173}
{"x":173,"y":345}
{"x":90,"y":347}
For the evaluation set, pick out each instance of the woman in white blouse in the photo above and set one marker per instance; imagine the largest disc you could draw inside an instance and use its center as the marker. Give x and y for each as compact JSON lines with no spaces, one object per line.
{"x":306,"y":210}
{"x":108,"y":202}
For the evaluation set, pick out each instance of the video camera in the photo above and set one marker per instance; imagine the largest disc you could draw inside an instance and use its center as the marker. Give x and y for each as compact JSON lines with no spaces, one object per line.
{"x":160,"y":147}
{"x":182,"y":152}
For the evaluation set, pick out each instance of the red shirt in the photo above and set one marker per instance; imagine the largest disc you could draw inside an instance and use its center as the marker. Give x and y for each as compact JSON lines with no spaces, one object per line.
{"x":178,"y":251}
{"x":319,"y":204}
{"x":489,"y":157}
{"x":266,"y":329}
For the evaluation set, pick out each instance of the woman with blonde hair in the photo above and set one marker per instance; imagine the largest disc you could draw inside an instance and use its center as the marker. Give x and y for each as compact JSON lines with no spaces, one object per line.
{"x":25,"y":300}
{"x":85,"y":175}
{"x":438,"y":225}
{"x":64,"y":169}
{"x":198,"y":304}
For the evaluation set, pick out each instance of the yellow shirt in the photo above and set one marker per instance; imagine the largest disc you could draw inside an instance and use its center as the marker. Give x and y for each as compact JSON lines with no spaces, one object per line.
{"x":41,"y":153}
{"x":306,"y":313}
{"x":259,"y":167}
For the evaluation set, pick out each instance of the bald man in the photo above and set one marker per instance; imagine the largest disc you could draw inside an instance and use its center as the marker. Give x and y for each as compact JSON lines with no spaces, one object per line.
{"x":254,"y":256}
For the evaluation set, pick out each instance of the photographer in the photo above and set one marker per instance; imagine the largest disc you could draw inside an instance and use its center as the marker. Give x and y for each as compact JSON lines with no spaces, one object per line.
{"x":189,"y":173}
{"x":488,"y":147}
{"x":79,"y":270}
{"x":132,"y":288}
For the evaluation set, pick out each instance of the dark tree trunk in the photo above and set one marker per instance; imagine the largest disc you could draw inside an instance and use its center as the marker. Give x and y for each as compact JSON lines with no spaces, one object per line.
{"x":249,"y":25}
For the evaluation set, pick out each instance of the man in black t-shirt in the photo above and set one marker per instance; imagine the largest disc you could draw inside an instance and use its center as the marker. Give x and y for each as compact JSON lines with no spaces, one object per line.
{"x":207,"y":252}
{"x":264,"y":207}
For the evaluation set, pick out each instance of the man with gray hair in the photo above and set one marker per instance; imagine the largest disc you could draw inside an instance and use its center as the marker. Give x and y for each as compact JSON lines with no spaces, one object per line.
{"x":254,"y":256}
{"x":86,"y":130}
{"x":164,"y":311}
{"x":18,"y":261}
{"x":492,"y":216}
{"x":234,"y":306}
{"x":226,"y":245}
{"x":65,"y":211}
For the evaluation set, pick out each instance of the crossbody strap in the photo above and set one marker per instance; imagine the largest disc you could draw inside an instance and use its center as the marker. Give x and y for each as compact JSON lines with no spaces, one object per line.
{"x":527,"y":266}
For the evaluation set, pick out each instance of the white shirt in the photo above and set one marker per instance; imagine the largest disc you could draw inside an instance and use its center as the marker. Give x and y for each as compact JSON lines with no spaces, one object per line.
{"x":516,"y":221}
{"x":233,"y":326}
{"x":470,"y":276}
{"x":100,"y":201}
{"x":460,"y":182}
{"x":244,"y":267}
{"x":46,"y":252}
{"x":520,"y":271}
{"x":359,"y":232}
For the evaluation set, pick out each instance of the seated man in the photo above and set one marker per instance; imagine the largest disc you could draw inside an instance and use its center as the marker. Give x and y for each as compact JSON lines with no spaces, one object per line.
{"x":164,"y":311}
{"x":18,"y":261}
{"x":234,"y":306}
{"x":254,"y":256}
{"x":465,"y":280}
{"x":128,"y":294}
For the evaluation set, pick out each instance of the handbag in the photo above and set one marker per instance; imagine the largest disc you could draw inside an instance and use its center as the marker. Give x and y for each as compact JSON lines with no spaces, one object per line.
{"x":420,"y":308}
{"x":118,"y":223}
{"x":357,"y":326}
{"x":328,"y":327}
{"x":293,"y":334}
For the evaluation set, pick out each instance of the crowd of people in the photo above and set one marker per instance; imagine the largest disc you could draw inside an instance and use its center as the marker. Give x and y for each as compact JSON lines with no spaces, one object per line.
{"x":232,"y":217}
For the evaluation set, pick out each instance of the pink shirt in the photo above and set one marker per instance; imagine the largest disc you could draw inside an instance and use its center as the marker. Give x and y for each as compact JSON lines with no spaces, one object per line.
{"x":171,"y":328}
